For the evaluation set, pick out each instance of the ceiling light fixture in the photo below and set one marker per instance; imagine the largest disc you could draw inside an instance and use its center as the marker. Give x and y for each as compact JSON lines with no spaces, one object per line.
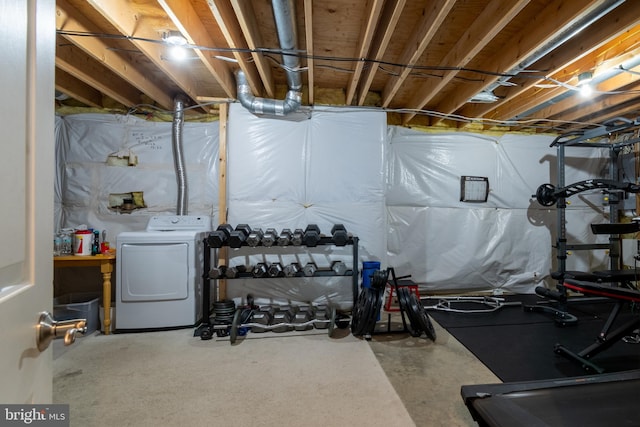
{"x":174,"y":38}
{"x":484,"y":97}
{"x":584,"y":85}
{"x":177,"y":43}
{"x":585,"y":78}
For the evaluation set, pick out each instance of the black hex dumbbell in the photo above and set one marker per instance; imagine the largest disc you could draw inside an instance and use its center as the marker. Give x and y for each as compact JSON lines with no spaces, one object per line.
{"x":311,"y":235}
{"x":296,"y":237}
{"x":339,"y":235}
{"x":275,"y":270}
{"x":270,"y":237}
{"x":260,"y":270}
{"x":291,"y":270}
{"x":218,"y":272}
{"x":254,"y":238}
{"x":339,"y":268}
{"x":219,"y":237}
{"x":238,"y":236}
{"x":309,"y":269}
{"x":284,"y":239}
{"x":233,"y":272}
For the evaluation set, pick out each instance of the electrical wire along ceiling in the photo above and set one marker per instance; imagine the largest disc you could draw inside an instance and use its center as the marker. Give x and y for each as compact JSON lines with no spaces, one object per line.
{"x":542,"y":65}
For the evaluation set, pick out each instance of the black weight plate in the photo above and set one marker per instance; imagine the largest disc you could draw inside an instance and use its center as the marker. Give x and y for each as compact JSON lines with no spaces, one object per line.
{"x":405,"y":306}
{"x":423,"y":318}
{"x":233,"y":332}
{"x":359,"y":319}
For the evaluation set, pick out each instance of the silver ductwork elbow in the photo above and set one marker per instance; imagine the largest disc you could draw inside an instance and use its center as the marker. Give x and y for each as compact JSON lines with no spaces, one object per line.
{"x":258,"y":105}
{"x":285,"y":16}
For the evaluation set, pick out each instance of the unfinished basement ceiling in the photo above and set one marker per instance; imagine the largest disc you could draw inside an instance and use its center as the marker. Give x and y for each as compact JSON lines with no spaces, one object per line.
{"x":427,"y":62}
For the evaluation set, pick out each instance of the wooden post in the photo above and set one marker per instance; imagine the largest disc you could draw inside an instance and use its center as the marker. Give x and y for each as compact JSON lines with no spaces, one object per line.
{"x":223,"y":254}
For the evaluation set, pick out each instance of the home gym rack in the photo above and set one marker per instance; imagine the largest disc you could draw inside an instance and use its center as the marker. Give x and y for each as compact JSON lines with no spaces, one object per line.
{"x":207,"y":328}
{"x":619,"y":133}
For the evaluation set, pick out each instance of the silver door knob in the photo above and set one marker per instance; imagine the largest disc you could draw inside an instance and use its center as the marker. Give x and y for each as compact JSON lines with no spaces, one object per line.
{"x":48,"y":329}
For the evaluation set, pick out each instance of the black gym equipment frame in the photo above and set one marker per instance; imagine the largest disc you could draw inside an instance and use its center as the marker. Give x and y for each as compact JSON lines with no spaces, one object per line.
{"x":593,"y":138}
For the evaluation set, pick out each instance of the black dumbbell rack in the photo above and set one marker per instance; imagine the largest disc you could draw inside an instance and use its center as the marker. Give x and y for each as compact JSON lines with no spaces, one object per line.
{"x":323,"y":241}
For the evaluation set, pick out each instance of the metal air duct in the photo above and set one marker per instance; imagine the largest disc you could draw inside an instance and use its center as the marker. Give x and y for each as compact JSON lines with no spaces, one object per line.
{"x":285,"y":15}
{"x":178,"y":157}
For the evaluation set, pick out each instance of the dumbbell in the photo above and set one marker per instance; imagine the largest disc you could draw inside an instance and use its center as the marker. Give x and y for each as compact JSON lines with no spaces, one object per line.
{"x":218,"y":272}
{"x":296,"y":237}
{"x":238,"y":236}
{"x":285,"y":237}
{"x":283,"y":314}
{"x":275,"y":270}
{"x":322,"y":317}
{"x":311,"y":235}
{"x":254,"y":238}
{"x":259,"y":270}
{"x":304,"y":314}
{"x":270,"y":237}
{"x":291,"y":270}
{"x":233,"y":272}
{"x":219,"y":237}
{"x":339,"y":235}
{"x":339,"y":267}
{"x":309,"y":269}
{"x":263,"y":316}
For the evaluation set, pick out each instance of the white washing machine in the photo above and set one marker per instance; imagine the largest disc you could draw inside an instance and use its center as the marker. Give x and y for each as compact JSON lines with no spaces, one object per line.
{"x":159,"y":273}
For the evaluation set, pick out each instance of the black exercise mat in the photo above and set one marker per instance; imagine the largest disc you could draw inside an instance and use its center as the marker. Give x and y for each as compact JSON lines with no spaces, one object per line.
{"x":518,"y":345}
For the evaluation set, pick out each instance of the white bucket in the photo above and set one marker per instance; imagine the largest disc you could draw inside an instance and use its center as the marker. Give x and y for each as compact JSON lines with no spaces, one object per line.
{"x":82,"y":241}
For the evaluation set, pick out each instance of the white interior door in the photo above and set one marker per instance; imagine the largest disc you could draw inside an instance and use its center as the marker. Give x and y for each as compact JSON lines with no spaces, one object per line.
{"x":27,"y":31}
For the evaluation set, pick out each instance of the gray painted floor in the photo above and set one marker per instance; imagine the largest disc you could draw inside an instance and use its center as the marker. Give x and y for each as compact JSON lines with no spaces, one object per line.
{"x":174,"y":379}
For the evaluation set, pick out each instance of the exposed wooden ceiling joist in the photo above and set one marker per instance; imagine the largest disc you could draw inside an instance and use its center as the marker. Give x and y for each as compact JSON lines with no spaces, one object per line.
{"x":425,"y":58}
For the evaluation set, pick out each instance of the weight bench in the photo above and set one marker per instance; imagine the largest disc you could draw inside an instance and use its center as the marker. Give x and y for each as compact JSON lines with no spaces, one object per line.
{"x":607,"y":337}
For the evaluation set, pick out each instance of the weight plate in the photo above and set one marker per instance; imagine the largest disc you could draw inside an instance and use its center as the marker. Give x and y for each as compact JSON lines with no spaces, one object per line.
{"x":423,"y":318}
{"x":233,"y":333}
{"x":405,"y":304}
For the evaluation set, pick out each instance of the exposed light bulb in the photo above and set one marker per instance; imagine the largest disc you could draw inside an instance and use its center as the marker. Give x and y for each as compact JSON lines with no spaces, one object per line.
{"x":177,"y":53}
{"x":586,"y":90}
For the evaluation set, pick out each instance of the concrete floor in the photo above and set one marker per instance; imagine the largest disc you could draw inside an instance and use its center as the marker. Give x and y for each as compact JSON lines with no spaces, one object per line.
{"x":172,"y":378}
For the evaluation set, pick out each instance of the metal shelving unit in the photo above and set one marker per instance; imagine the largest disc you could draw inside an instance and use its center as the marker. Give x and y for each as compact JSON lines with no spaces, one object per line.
{"x":208,"y":326}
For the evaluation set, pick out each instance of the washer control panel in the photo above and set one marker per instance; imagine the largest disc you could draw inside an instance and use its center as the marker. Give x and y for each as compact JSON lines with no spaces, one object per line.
{"x":179,"y":223}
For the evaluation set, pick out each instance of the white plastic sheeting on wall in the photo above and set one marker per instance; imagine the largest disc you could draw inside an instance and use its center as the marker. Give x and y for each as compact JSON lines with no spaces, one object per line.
{"x":505,"y":243}
{"x":325,"y":170}
{"x":84,"y":180}
{"x":397,"y":189}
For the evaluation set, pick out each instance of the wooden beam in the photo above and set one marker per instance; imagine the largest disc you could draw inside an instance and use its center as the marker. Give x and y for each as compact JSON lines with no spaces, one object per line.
{"x":308,"y":27}
{"x":387,"y":25}
{"x":491,"y":21}
{"x":564,"y":110}
{"x":428,"y":27}
{"x":223,"y":254}
{"x":82,"y":67}
{"x":227,"y":21}
{"x":189,"y":24}
{"x":247,"y":20}
{"x":69,"y":19}
{"x":77,"y":89}
{"x":125,"y":19}
{"x":540,"y":31}
{"x":366,"y":36}
{"x":615,"y":32}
